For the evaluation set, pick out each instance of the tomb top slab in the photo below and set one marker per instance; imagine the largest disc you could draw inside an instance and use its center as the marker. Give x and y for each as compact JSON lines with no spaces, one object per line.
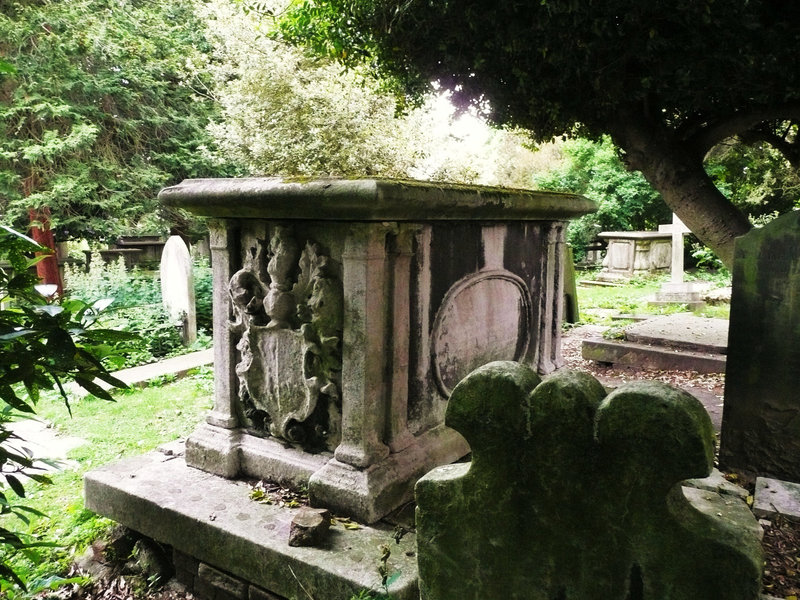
{"x":368,"y":200}
{"x":636,"y":235}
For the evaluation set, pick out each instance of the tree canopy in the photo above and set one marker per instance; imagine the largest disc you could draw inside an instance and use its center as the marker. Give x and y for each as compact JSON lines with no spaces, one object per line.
{"x":668,"y":80}
{"x":98,"y":111}
{"x":284,"y":112}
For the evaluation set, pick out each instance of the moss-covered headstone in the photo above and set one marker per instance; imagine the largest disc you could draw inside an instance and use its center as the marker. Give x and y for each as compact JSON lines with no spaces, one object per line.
{"x":572,"y":494}
{"x":761,"y":418}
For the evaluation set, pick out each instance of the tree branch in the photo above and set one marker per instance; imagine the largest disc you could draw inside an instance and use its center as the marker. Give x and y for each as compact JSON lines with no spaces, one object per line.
{"x":739,"y":122}
{"x":790,"y":150}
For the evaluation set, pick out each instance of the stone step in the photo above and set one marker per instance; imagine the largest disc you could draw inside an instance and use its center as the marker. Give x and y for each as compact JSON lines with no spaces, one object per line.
{"x":599,"y":283}
{"x":682,"y":331}
{"x":646,"y":356}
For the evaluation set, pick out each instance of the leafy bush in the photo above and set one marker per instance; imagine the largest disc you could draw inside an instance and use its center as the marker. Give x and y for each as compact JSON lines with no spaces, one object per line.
{"x":626,"y":202}
{"x":136,"y":306}
{"x":203,"y":295}
{"x":42,"y":346}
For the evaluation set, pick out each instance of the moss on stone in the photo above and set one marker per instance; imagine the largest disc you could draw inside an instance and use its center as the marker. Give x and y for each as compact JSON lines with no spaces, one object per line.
{"x":572,"y":494}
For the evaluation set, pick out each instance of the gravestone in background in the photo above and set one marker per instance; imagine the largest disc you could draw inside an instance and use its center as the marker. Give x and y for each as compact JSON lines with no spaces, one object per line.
{"x":761,"y":418}
{"x":634,"y":253}
{"x":177,"y":287}
{"x":572,"y":494}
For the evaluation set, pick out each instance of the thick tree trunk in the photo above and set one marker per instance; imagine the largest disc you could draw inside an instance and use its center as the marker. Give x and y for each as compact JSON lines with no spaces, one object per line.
{"x":47,"y":269}
{"x":676,"y":171}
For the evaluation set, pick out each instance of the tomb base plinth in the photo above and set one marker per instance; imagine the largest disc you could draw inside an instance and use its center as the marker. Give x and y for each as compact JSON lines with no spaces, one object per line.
{"x":689,"y":293}
{"x":213,"y":520}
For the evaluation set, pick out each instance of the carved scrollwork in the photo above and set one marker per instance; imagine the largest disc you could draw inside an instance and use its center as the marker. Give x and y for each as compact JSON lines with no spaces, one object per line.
{"x":290,"y":331}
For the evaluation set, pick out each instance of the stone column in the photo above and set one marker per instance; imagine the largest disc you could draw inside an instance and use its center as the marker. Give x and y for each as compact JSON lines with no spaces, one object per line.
{"x":225,"y":381}
{"x":214,"y":446}
{"x":548,"y":357}
{"x":398,"y":435}
{"x":364,"y":388}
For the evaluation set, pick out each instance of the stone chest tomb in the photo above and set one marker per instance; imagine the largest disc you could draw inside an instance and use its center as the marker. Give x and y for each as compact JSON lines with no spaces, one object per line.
{"x":345,"y":311}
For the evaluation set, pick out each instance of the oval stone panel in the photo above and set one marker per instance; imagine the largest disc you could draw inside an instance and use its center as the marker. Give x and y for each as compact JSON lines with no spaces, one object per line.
{"x":483,"y":318}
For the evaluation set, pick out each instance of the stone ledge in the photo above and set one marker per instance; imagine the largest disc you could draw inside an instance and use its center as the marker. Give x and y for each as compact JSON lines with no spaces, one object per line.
{"x":651,"y":357}
{"x":213,"y":520}
{"x":774,"y":498}
{"x":369,"y":200}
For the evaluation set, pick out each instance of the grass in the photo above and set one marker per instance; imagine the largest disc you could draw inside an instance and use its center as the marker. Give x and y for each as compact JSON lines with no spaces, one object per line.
{"x":139,"y":421}
{"x":633,"y":297}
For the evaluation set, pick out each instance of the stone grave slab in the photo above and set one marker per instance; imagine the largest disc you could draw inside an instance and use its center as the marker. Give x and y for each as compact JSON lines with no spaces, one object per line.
{"x":761,"y":417}
{"x":682,"y":330}
{"x":679,"y":341}
{"x":774,"y":498}
{"x":214,"y":521}
{"x":574,"y":494}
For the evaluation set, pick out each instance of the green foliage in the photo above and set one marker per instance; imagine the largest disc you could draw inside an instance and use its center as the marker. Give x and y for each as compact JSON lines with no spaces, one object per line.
{"x":151,"y":416}
{"x":704,"y":258}
{"x":283,"y":112}
{"x":757,"y":178}
{"x":203,"y":295}
{"x":551,"y":64}
{"x":100,"y":111}
{"x":41,"y":347}
{"x":134,"y":304}
{"x":626,"y":201}
{"x":667,"y":80}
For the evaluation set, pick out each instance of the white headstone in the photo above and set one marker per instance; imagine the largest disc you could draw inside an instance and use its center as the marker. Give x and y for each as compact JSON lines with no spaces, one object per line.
{"x":678,"y":229}
{"x":177,"y":287}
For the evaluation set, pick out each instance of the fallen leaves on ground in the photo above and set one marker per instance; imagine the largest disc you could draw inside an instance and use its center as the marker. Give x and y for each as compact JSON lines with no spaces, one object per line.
{"x":781,"y":558}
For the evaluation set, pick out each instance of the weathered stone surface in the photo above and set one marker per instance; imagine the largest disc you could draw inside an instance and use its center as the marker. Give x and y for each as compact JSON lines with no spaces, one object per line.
{"x":572,"y":494}
{"x":679,"y":341}
{"x":716,"y":482}
{"x":648,"y":356}
{"x":346,"y":310}
{"x":309,"y":526}
{"x":256,"y":593}
{"x":631,"y":253}
{"x":213,"y":520}
{"x":682,"y":330}
{"x":774,"y":498}
{"x":761,"y":418}
{"x":215,"y":584}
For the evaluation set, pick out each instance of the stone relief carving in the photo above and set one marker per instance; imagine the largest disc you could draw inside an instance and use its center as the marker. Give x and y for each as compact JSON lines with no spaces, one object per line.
{"x":290,"y":325}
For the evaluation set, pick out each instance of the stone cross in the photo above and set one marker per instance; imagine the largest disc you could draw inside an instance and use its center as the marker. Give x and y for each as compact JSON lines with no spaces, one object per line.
{"x":678,"y":229}
{"x":177,"y":287}
{"x":575,"y":494}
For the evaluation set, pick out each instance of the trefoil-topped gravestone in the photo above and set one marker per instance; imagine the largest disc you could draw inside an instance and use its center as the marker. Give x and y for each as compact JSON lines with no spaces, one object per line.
{"x":761,"y":416}
{"x":345,"y":311}
{"x":572,"y":493}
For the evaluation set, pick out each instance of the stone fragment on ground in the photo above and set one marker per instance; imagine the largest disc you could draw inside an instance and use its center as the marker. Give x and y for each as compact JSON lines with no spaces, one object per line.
{"x":774,"y":498}
{"x":309,"y":527}
{"x":717,"y":483}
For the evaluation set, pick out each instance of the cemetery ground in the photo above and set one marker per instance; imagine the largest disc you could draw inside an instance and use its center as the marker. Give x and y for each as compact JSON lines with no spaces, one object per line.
{"x":166,"y":410}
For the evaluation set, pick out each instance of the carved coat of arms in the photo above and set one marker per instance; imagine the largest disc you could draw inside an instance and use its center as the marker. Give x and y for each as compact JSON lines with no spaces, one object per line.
{"x":288,"y":312}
